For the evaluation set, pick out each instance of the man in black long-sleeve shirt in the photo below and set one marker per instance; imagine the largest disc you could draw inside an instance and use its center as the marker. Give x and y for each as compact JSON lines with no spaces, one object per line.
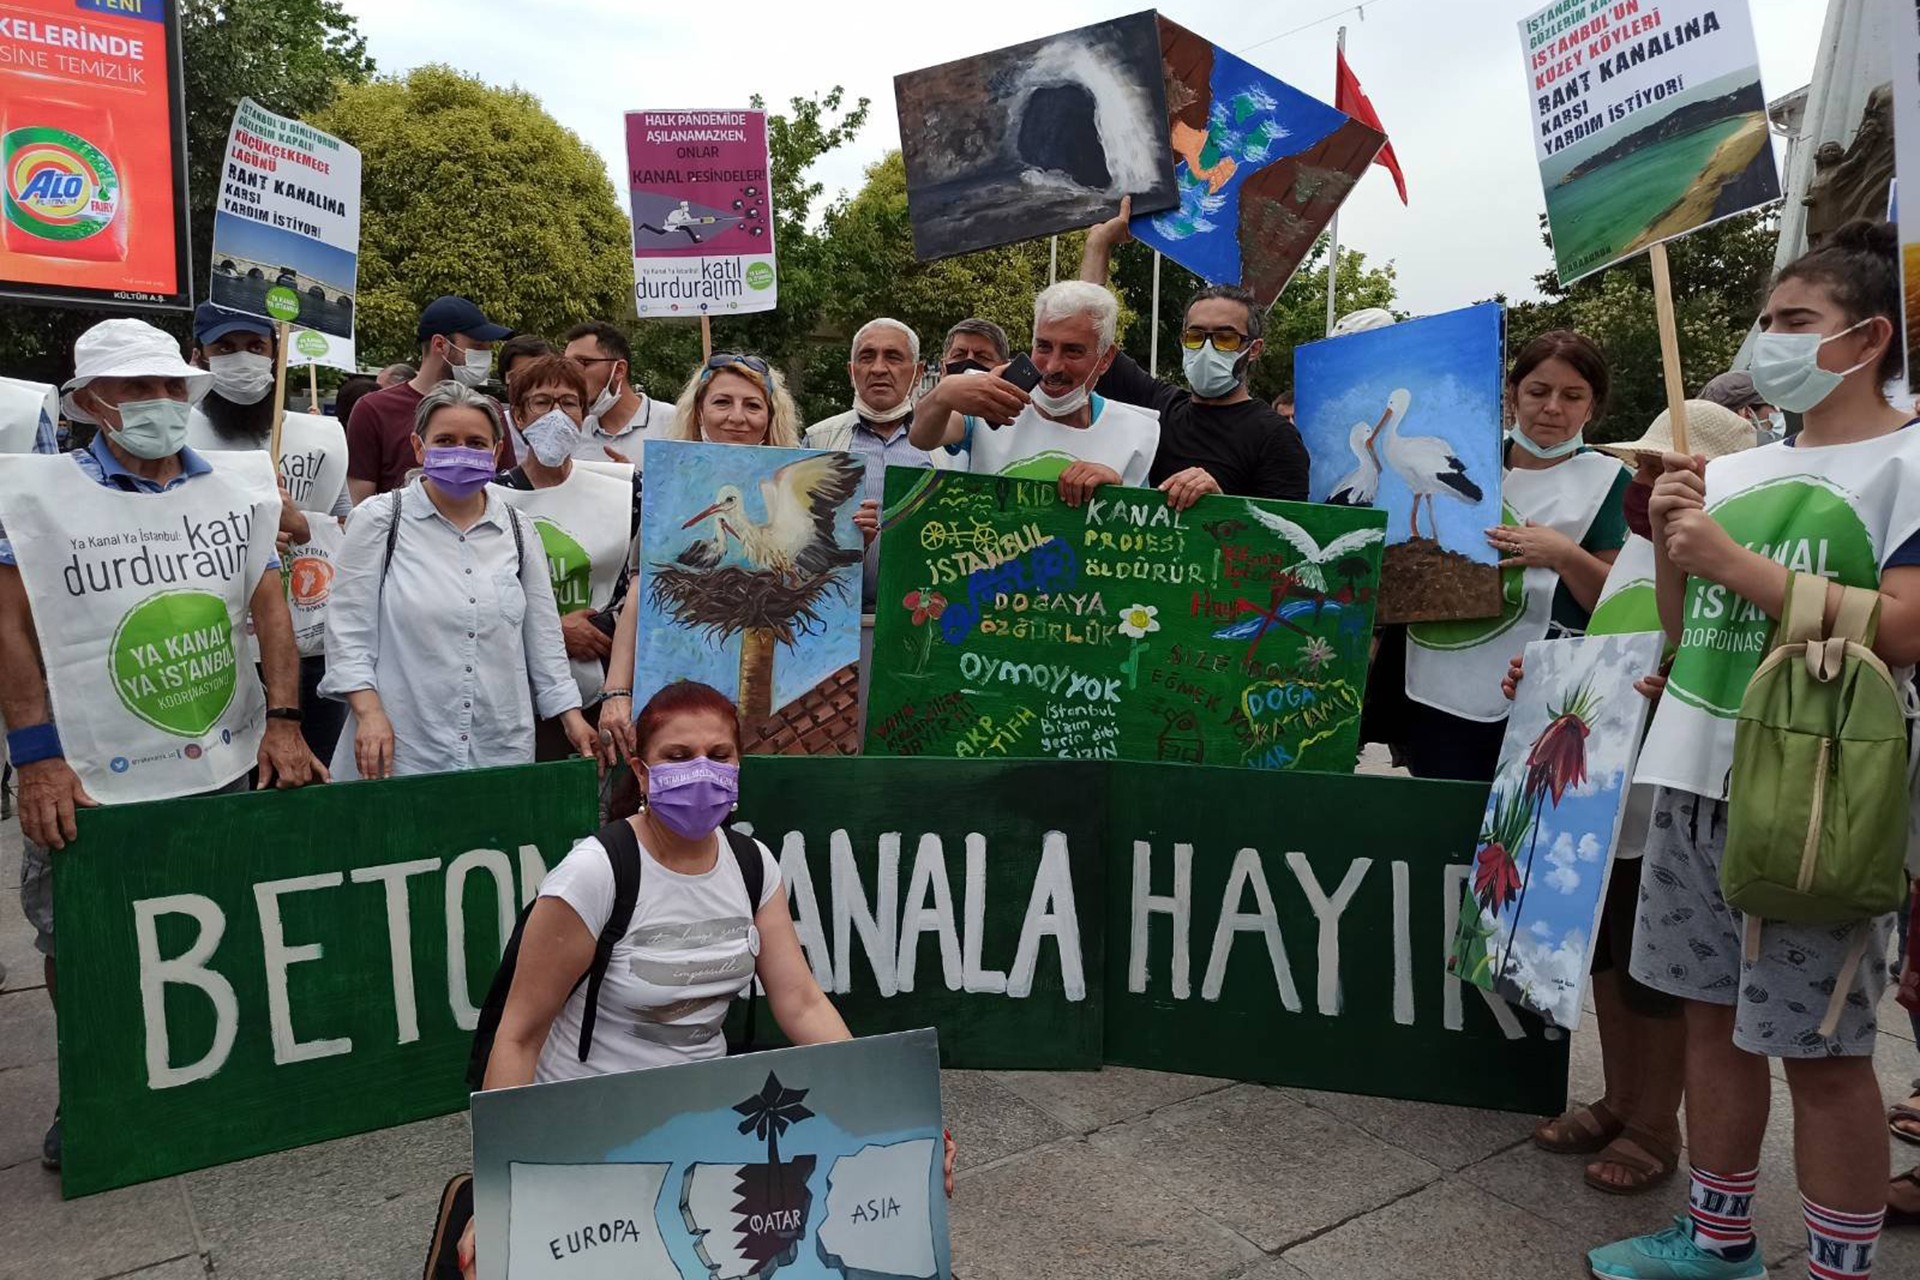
{"x":1214,"y":438}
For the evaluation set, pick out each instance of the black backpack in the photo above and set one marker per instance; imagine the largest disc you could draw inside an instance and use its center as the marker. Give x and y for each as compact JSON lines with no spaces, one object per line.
{"x":623,"y":851}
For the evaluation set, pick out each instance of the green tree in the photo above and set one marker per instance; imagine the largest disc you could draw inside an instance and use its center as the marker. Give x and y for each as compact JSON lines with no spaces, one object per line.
{"x":287,"y":55}
{"x":1720,"y":275}
{"x":476,"y":190}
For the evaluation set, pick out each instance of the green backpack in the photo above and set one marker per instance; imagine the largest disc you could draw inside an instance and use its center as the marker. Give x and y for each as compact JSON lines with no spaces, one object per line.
{"x":1818,"y":797}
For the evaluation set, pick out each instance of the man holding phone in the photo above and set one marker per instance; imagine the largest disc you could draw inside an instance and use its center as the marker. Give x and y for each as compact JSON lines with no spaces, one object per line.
{"x":1037,"y":418}
{"x":1215,"y":437}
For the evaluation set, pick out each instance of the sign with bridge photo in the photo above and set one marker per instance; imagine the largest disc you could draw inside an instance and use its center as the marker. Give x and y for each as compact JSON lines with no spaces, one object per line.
{"x":1010,"y":625}
{"x":286,"y":232}
{"x":1648,"y":122}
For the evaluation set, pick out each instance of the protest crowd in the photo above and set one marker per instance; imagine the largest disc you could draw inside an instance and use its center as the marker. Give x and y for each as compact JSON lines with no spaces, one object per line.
{"x":447,"y":640}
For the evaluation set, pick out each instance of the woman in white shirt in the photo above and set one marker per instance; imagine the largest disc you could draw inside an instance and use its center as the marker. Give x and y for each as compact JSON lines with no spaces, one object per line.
{"x":693,"y":944}
{"x":442,"y":634}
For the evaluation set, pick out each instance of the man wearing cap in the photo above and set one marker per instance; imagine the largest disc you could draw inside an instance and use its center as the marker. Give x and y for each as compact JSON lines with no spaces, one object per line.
{"x":126,"y":573}
{"x":456,"y":342}
{"x":1735,"y":391}
{"x":237,"y":413}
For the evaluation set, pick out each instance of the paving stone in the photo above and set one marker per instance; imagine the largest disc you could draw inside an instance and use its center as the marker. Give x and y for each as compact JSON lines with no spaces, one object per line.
{"x":1451,"y":1137}
{"x":27,"y":1098}
{"x":359,"y":1206}
{"x":989,"y":1122}
{"x":1553,"y":1187}
{"x":43,"y":1236}
{"x":1088,"y":1100}
{"x":1075,"y":1212}
{"x":1274,"y":1269}
{"x":1449,"y":1227}
{"x":1271,"y":1168}
{"x":1899,"y":1253}
{"x":188,"y":1268}
{"x":26,"y":1029}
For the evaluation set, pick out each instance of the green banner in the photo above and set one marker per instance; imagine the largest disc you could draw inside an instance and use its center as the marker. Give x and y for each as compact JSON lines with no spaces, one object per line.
{"x":245,"y":974}
{"x":1009,"y":625}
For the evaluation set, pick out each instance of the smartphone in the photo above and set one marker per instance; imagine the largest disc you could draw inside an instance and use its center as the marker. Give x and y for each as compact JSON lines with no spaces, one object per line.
{"x":1022,"y":373}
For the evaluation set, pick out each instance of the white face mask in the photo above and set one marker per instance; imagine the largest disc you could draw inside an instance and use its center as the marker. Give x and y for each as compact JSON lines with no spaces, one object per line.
{"x":1786,"y":368}
{"x":1060,"y":406}
{"x":1548,"y":452}
{"x":882,"y":416}
{"x":607,"y":398}
{"x":242,"y":377}
{"x":1211,"y":372}
{"x":552,"y":437}
{"x":469,"y":368}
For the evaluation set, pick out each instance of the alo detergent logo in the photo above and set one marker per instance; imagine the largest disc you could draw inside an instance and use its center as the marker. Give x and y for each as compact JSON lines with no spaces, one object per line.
{"x":569,"y":567}
{"x":173,"y":662}
{"x":1803,"y":522}
{"x":59,"y":185}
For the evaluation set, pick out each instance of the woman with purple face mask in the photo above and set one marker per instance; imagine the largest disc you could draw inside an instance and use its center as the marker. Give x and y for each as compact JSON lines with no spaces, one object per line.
{"x":442,"y":615}
{"x":693,"y":943}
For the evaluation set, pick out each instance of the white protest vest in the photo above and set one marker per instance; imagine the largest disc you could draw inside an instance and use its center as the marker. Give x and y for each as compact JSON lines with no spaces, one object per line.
{"x":1627,"y":602}
{"x":1124,"y":437}
{"x":138,"y":599}
{"x":586,"y":527}
{"x":313,"y":455}
{"x":1837,"y":511}
{"x":309,"y":574}
{"x":1457,"y":667}
{"x":28,"y":411}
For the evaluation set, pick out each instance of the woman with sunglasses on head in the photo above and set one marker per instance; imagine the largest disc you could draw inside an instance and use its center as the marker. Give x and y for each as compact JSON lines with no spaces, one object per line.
{"x":1215,"y":436}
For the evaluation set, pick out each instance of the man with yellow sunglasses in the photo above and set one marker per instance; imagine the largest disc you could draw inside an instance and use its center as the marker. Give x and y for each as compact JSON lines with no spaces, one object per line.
{"x":1215,"y":437}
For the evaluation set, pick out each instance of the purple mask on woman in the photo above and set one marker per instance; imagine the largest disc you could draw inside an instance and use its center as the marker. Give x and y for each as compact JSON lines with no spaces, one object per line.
{"x":692,"y":797}
{"x":458,"y":470}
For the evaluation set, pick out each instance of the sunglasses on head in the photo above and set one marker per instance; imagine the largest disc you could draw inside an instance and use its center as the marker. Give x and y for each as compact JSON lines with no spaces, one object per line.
{"x":720,"y":360}
{"x":1223,"y":339}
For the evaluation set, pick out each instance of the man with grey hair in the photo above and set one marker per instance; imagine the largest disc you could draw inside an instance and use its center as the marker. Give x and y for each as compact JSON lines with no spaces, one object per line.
{"x":1060,"y":430}
{"x":974,"y":343}
{"x":884,"y":367}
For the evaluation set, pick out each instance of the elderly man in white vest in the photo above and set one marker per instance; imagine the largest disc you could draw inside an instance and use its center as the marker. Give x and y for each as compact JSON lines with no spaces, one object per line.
{"x":127,"y":570}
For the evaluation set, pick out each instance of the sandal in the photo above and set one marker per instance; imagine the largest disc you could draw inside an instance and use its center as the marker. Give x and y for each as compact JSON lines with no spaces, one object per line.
{"x":1908,"y":1112}
{"x":1896,"y":1216}
{"x":1579,"y":1131}
{"x":1649,"y":1162}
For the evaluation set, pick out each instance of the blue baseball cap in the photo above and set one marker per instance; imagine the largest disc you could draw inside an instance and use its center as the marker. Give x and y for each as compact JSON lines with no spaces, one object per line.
{"x":454,"y":314}
{"x":211,"y":323}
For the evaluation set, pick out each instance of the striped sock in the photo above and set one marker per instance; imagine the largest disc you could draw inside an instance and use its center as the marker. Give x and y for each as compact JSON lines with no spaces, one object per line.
{"x":1722,"y":1208}
{"x":1840,"y":1245}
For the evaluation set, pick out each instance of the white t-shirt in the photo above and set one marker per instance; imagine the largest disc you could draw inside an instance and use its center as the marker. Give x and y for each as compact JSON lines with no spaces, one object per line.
{"x":1123,"y":436}
{"x":689,"y":951}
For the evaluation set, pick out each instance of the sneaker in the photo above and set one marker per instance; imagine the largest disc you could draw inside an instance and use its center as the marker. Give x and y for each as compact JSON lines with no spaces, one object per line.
{"x":1671,"y":1255}
{"x":50,"y":1146}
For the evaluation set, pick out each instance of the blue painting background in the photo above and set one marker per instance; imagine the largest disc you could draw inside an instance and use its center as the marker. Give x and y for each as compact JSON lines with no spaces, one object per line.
{"x":682,"y":479}
{"x":1451,"y":365}
{"x":1256,"y":119}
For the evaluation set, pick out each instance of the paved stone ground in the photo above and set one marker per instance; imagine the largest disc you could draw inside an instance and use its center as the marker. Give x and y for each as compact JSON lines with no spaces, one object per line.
{"x":1111,"y":1175}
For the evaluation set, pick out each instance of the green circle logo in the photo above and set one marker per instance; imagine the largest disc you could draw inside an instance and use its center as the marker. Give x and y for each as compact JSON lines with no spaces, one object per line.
{"x":1633,"y":608}
{"x":1470,"y":633}
{"x":282,"y":303}
{"x":1803,"y":522}
{"x":568,"y":566}
{"x":760,"y":276}
{"x":173,"y":661}
{"x":310,"y":343}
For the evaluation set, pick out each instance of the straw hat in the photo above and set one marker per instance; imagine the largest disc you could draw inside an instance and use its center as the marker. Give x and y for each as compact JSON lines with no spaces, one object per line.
{"x":128,"y":349}
{"x":1712,"y":430}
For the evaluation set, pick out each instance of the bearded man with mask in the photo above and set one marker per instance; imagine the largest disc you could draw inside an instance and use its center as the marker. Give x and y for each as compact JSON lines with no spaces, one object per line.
{"x":618,"y":417}
{"x":456,"y":344}
{"x":1215,"y":437}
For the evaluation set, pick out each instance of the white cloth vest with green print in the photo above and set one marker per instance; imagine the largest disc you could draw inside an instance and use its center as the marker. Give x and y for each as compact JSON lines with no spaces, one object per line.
{"x":1627,"y":602}
{"x":1837,"y":511}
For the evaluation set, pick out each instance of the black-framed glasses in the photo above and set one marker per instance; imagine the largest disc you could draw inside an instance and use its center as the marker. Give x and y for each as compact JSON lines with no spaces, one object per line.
{"x":1223,"y":339}
{"x":541,"y":403}
{"x":590,"y":361}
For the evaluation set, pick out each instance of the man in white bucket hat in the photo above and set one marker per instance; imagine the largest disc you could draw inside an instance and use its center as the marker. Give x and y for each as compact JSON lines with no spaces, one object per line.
{"x":127,"y":571}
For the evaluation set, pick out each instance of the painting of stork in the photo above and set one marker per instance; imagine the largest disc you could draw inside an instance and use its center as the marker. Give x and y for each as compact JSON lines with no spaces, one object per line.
{"x":750,"y":582}
{"x":1407,"y":419}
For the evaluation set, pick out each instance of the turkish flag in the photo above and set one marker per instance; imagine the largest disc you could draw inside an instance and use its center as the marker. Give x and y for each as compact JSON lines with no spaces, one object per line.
{"x":1349,"y":97}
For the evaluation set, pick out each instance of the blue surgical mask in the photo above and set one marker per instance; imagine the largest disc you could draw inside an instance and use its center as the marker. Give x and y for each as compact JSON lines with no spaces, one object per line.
{"x":1786,"y":368}
{"x":1211,"y":373}
{"x":1549,"y":452}
{"x":152,"y":429}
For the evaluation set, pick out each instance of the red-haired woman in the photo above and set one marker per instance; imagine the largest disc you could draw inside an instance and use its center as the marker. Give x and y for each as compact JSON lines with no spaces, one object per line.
{"x":694,"y":942}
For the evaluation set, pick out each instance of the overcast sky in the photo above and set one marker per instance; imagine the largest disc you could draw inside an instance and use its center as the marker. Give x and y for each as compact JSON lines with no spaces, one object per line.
{"x":1446,"y":78}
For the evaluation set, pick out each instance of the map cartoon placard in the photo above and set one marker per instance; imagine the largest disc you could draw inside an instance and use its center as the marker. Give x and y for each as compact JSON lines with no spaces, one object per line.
{"x":1011,"y":625}
{"x":822,"y":1161}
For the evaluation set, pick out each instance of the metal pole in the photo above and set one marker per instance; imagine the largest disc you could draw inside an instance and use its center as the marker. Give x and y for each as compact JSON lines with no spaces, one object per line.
{"x":1153,"y":327}
{"x":1333,"y":248}
{"x":1053,"y":260}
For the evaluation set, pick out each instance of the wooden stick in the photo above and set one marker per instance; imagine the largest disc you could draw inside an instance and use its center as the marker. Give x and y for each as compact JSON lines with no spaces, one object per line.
{"x":279,"y":394}
{"x":1669,"y":346}
{"x":706,"y":339}
{"x":313,"y":387}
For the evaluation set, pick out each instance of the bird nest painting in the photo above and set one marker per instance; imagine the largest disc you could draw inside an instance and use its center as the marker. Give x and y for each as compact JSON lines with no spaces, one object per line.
{"x":750,"y":573}
{"x":1407,"y":419}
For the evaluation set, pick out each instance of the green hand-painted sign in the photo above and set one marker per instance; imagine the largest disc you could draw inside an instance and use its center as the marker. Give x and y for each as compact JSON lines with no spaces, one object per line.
{"x":1010,"y":625}
{"x":330,"y":945}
